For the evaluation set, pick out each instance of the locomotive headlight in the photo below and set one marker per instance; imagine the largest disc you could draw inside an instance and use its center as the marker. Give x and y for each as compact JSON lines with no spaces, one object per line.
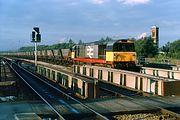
{"x":134,"y":56}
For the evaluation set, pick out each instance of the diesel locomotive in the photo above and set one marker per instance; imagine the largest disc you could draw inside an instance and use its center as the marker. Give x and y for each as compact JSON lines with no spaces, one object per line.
{"x":116,"y":54}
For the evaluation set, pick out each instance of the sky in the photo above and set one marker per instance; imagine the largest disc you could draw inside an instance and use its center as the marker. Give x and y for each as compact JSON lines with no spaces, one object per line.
{"x":86,"y":20}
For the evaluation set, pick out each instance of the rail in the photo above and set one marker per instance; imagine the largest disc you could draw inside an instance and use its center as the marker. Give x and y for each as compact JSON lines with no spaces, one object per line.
{"x":98,"y":115}
{"x":37,"y":93}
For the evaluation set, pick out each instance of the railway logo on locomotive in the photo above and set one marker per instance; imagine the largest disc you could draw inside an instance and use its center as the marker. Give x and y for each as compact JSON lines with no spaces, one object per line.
{"x":90,"y":51}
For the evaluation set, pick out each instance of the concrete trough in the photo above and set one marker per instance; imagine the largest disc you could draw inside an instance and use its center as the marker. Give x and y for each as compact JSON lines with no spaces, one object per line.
{"x":82,"y":87}
{"x":172,"y":74}
{"x":133,"y":80}
{"x":177,"y":68}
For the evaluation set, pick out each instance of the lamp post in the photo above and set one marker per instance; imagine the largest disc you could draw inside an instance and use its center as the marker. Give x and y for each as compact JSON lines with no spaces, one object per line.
{"x":36,"y":37}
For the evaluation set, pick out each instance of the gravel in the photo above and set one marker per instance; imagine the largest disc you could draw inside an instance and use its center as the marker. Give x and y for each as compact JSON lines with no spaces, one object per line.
{"x":144,"y":116}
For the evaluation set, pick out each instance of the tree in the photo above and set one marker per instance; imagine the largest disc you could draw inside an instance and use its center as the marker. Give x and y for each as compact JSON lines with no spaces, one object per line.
{"x":71,"y":43}
{"x":150,"y":49}
{"x":108,"y":39}
{"x":174,"y":49}
{"x":102,"y":39}
{"x":166,"y":48}
{"x":139,"y":47}
{"x":80,"y":42}
{"x":146,"y":47}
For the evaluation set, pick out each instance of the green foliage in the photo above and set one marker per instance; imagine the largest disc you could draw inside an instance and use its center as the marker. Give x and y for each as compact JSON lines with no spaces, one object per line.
{"x":49,"y":47}
{"x":70,"y":44}
{"x":170,"y":51}
{"x":174,"y":49}
{"x":29,"y":48}
{"x":165,"y":48}
{"x":102,"y":41}
{"x":145,"y":47}
{"x":139,"y":47}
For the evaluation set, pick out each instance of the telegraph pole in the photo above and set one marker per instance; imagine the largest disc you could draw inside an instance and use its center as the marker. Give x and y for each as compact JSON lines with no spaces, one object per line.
{"x":36,"y":37}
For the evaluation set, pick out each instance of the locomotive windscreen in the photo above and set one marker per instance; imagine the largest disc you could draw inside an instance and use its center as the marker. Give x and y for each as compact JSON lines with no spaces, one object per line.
{"x":123,"y":47}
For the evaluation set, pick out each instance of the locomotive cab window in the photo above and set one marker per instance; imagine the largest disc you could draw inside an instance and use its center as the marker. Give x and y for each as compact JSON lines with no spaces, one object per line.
{"x":123,"y":47}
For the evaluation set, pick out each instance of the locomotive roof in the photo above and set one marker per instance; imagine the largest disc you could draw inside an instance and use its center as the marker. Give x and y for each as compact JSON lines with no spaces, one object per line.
{"x":110,"y":43}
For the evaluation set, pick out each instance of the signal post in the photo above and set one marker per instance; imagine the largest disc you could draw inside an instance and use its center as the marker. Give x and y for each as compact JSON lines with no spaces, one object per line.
{"x":36,"y":37}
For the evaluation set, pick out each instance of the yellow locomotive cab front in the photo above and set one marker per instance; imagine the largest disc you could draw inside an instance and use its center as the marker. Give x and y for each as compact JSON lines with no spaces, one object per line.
{"x":121,"y":52}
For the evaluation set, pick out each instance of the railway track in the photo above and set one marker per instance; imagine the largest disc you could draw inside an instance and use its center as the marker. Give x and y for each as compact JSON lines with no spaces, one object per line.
{"x":62,"y":104}
{"x":117,"y":91}
{"x":172,"y":109}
